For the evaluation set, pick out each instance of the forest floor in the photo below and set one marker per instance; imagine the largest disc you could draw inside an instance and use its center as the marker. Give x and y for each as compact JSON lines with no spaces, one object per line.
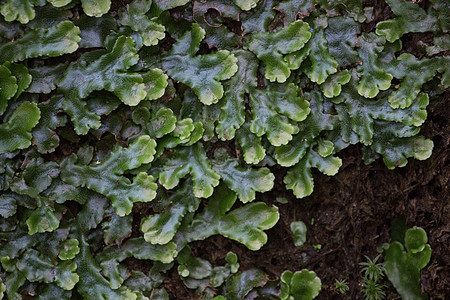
{"x":349,"y":215}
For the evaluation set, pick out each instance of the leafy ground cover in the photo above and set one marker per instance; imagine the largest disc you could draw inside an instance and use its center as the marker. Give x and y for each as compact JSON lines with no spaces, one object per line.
{"x":228,"y":149}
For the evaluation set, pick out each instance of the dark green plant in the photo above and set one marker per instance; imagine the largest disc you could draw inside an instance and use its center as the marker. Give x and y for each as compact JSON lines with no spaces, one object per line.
{"x":373,"y":272}
{"x":299,"y":231}
{"x":373,"y":290}
{"x":302,"y":285}
{"x":132,"y":131}
{"x":403,"y":263}
{"x":341,"y":286}
{"x":371,"y":269}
